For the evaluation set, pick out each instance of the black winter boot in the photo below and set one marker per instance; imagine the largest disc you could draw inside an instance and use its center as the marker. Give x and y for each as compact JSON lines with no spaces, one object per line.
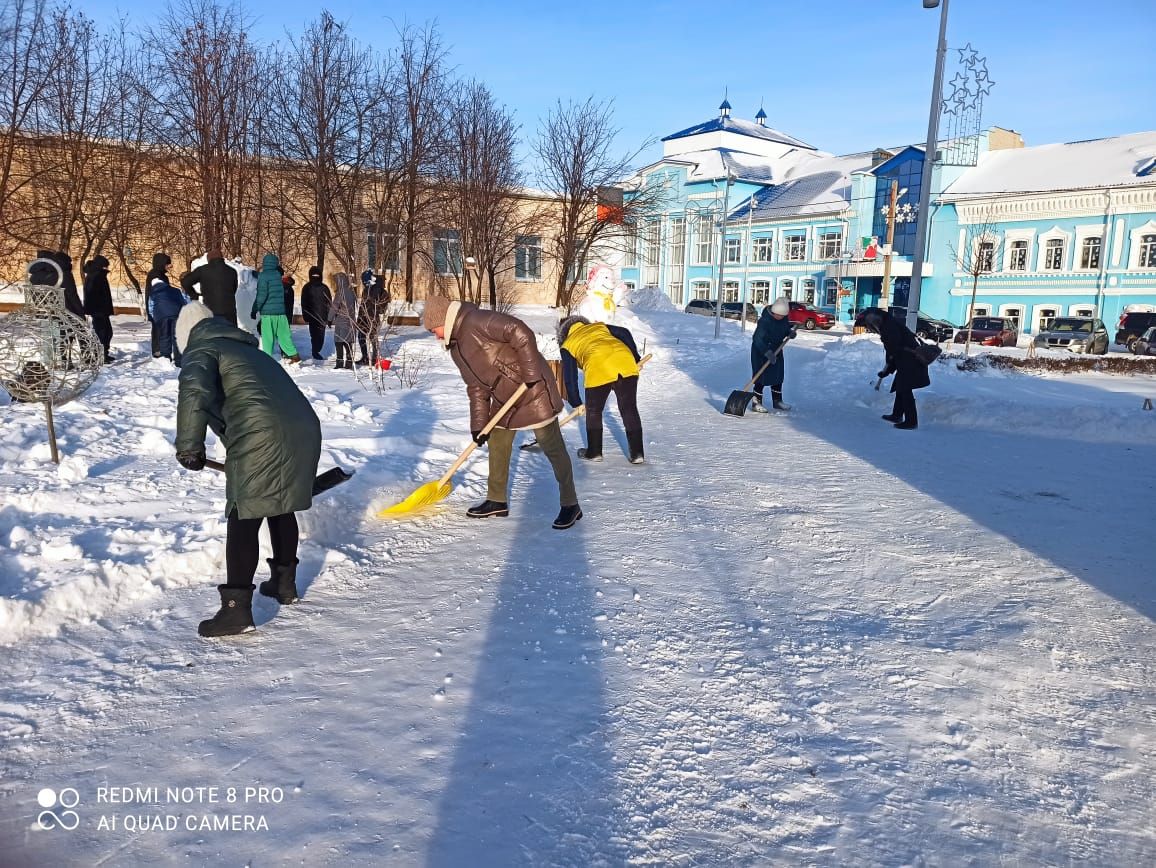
{"x":283,"y":586}
{"x":634,"y":442}
{"x":777,"y":399}
{"x":235,"y":616}
{"x":567,"y":517}
{"x":489,"y":509}
{"x":593,"y":450}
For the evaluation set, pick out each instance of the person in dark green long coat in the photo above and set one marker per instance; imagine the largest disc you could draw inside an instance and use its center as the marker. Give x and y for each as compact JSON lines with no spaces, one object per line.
{"x":272,"y":439}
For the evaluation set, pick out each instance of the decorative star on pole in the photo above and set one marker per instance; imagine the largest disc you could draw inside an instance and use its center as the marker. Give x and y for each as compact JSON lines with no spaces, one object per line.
{"x":967,"y":55}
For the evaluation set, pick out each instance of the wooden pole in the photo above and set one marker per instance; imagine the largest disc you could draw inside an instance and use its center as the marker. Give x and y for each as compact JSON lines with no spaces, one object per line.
{"x":51,"y":432}
{"x":887,"y":248}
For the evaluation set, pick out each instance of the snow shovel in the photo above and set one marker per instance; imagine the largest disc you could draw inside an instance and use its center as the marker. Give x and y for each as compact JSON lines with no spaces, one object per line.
{"x":533,"y":446}
{"x":432,"y":492}
{"x":736,"y":404}
{"x":331,"y":478}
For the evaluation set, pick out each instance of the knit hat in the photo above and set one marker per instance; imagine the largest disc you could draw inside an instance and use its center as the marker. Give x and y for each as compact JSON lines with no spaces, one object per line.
{"x":434,"y":315}
{"x":314,"y":273}
{"x":566,"y":324}
{"x":191,"y":314}
{"x":782,"y":307}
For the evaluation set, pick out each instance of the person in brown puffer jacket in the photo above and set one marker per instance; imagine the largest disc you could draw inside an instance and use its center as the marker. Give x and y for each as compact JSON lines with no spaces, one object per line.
{"x":495,"y":354}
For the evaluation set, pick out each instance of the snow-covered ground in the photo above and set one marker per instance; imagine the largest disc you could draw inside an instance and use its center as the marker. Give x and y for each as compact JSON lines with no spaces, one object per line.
{"x":786,"y":639}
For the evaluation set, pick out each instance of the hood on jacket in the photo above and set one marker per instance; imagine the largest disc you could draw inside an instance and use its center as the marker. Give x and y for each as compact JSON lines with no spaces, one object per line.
{"x":270,"y":262}
{"x":161,"y":261}
{"x":566,"y":324}
{"x":192,"y":314}
{"x":100,"y":262}
{"x":315,"y":273}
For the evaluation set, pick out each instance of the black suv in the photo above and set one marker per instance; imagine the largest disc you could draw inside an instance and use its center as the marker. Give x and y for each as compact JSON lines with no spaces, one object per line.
{"x":730,"y":310}
{"x":1132,"y":325}
{"x":701,"y":306}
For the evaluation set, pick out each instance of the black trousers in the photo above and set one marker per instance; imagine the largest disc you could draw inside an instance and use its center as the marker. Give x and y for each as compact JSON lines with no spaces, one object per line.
{"x":904,"y":409}
{"x":242,"y":550}
{"x":165,"y":339}
{"x":625,"y":390}
{"x":317,"y":337}
{"x":155,"y":337}
{"x":344,"y":351}
{"x":102,"y":325}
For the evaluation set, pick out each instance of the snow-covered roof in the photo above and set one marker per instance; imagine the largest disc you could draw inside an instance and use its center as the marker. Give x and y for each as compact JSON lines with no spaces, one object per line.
{"x":1112,"y":162}
{"x":814,"y":185}
{"x":741,"y":127}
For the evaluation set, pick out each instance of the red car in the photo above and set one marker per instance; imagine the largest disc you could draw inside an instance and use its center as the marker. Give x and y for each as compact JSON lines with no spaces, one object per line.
{"x":809,"y":316}
{"x":990,"y":331}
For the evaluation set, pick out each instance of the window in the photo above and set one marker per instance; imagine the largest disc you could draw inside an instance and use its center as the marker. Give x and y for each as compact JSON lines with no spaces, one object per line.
{"x":830,"y":244}
{"x":985,"y":257}
{"x":731,"y":290}
{"x":1090,"y":252}
{"x":787,"y":288}
{"x":830,"y":292}
{"x":674,"y":291}
{"x":576,"y":273}
{"x":1018,"y":261}
{"x":701,"y":289}
{"x":763,"y":249}
{"x":734,"y":251}
{"x":704,"y":246}
{"x":808,"y":287}
{"x":1147,"y":251}
{"x":390,"y":240}
{"x":528,"y":257}
{"x":447,"y":251}
{"x":631,"y":235}
{"x":678,"y":241}
{"x":761,"y":292}
{"x":1054,"y":254}
{"x":651,"y":236}
{"x":1014,"y":314}
{"x":1046,"y":315}
{"x":795,"y":246}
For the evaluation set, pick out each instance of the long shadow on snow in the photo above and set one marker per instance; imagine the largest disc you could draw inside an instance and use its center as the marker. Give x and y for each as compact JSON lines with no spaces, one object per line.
{"x":533,"y":779}
{"x":1058,"y":498}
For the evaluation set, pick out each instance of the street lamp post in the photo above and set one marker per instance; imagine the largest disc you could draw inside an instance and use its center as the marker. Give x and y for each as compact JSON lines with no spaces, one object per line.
{"x":722,"y":255}
{"x":923,"y":223}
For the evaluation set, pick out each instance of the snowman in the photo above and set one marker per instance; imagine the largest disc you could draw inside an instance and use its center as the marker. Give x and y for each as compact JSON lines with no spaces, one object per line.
{"x":603,"y":295}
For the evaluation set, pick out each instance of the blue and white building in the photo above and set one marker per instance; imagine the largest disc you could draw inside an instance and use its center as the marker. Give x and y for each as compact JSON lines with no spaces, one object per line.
{"x":1065,"y":229}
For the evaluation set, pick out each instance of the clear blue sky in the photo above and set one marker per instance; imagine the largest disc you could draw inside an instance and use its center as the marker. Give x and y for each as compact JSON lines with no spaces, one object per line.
{"x":843,"y":76}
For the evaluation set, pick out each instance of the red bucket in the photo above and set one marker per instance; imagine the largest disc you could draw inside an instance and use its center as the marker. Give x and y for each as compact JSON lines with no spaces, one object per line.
{"x":384,"y":364}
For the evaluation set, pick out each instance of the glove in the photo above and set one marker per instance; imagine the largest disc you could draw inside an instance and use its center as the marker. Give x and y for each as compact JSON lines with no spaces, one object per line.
{"x":192,"y":460}
{"x":771,"y":355}
{"x":479,"y":437}
{"x":253,"y":313}
{"x":883,"y":374}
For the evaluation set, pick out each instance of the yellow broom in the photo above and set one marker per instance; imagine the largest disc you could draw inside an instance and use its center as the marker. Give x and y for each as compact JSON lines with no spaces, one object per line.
{"x":432,"y":492}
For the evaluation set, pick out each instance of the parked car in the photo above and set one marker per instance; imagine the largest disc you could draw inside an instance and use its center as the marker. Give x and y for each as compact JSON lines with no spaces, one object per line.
{"x":991,"y":331}
{"x":701,"y":306}
{"x":1077,"y":334}
{"x":932,"y":329}
{"x":1145,"y":345}
{"x":809,"y":316}
{"x":1132,"y":325}
{"x":730,"y":310}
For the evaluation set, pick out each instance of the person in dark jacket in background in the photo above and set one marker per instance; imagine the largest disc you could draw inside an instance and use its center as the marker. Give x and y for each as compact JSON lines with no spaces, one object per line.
{"x":316,"y":300}
{"x":72,"y":302}
{"x":98,"y":301}
{"x":272,"y":439}
{"x":165,"y":305}
{"x":270,"y":304}
{"x":609,"y":358}
{"x":344,"y":315}
{"x":771,"y":334}
{"x":289,"y":282}
{"x":218,"y":286}
{"x":903,"y":360}
{"x":161,"y":263}
{"x":495,"y":354}
{"x":370,"y":314}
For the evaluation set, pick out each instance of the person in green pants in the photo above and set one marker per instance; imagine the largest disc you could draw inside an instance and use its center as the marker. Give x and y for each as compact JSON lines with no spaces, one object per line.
{"x":270,"y":304}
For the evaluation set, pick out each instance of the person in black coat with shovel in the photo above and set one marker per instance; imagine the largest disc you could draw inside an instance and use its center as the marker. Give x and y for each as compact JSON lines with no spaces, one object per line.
{"x":903,"y":360}
{"x":771,"y":334}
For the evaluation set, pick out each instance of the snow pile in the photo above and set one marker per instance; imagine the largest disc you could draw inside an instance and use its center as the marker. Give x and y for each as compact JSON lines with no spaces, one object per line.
{"x":649,"y":298}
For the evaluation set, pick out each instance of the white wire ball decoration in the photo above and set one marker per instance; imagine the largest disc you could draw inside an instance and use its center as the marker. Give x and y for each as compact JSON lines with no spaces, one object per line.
{"x":47,"y":353}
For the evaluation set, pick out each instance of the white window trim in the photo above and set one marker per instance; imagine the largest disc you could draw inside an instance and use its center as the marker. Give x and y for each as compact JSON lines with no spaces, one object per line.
{"x":1083,"y":232}
{"x":1083,"y":309}
{"x":1041,"y":250}
{"x":1005,"y":311}
{"x":989,"y":238}
{"x":1135,"y":235}
{"x":1010,"y":237}
{"x":787,"y":233}
{"x":979,"y":309}
{"x":770,"y":239}
{"x":541,"y":253}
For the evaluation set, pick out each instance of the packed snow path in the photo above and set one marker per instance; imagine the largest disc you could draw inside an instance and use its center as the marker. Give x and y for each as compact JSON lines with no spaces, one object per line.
{"x":786,"y":639}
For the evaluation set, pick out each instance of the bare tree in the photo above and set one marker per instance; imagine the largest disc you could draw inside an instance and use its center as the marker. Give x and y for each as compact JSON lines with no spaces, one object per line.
{"x":982,"y":246}
{"x":577,"y":165}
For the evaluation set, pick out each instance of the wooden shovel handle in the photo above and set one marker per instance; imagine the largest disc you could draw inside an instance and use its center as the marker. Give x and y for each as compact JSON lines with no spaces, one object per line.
{"x":469,"y":450}
{"x":214,"y":465}
{"x":645,"y":359}
{"x":758,"y":374}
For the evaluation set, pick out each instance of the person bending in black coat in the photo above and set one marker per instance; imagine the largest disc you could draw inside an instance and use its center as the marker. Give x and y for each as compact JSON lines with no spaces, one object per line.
{"x":904,"y":361}
{"x":98,"y":301}
{"x":315,"y":302}
{"x":771,"y":335}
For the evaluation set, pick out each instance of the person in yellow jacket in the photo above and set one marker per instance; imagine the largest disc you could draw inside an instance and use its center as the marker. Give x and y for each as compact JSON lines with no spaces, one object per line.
{"x":609,"y":359}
